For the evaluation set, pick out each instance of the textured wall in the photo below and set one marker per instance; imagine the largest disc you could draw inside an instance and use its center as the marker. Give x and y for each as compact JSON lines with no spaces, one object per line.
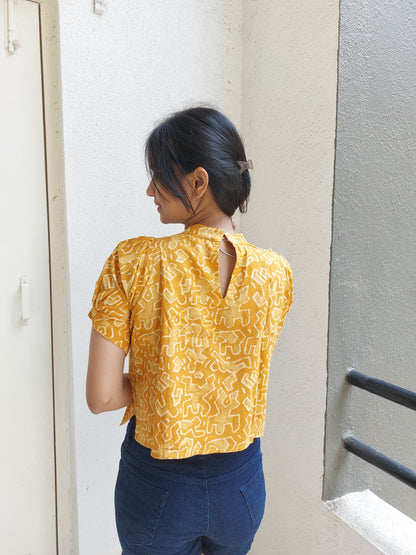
{"x":121,"y":72}
{"x":289,"y":109}
{"x":373,"y":302}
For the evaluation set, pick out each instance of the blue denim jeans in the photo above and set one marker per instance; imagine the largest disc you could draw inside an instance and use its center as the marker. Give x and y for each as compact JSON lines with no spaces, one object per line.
{"x":208,"y":503}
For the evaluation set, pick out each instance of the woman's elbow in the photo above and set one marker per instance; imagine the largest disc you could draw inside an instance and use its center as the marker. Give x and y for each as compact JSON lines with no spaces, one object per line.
{"x":96,"y":405}
{"x":94,"y":408}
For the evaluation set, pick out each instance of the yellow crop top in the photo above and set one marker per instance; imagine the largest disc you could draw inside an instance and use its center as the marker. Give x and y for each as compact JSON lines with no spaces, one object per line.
{"x":198,"y":362}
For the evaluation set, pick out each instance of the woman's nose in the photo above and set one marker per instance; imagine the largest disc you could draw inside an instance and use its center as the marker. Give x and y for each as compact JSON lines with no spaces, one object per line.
{"x":150,"y":191}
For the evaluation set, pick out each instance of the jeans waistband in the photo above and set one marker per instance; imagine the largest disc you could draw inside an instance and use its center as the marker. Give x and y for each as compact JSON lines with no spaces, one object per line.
{"x":199,"y":466}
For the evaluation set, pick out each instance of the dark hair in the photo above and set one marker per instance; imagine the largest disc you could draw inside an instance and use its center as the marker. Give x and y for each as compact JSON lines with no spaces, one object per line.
{"x":200,"y":137}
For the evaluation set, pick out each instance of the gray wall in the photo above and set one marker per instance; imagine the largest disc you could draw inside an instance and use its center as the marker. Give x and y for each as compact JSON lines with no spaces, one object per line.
{"x":373,"y":272}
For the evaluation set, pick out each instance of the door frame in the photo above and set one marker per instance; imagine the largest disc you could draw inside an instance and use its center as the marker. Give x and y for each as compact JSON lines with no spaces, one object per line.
{"x":66,"y":492}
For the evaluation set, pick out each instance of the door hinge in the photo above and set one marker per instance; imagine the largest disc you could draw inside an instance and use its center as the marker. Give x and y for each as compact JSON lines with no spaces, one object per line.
{"x":100,"y":7}
{"x":12,"y":43}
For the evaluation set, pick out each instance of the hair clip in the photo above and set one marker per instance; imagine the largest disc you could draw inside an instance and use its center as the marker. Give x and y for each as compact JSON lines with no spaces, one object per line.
{"x":245,"y":165}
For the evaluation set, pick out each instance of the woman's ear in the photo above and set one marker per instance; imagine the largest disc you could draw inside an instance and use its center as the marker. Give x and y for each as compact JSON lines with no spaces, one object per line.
{"x":200,"y":181}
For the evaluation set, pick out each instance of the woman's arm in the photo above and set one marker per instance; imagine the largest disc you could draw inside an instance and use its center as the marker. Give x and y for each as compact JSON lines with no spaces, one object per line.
{"x":107,"y":387}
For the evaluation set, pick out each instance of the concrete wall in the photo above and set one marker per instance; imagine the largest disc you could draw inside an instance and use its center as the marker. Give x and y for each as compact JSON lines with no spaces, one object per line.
{"x":373,"y":304}
{"x":289,"y":111}
{"x":272,"y":67}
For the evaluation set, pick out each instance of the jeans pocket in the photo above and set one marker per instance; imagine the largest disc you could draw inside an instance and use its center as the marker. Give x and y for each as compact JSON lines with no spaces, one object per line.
{"x":254,"y":494}
{"x":138,"y":506}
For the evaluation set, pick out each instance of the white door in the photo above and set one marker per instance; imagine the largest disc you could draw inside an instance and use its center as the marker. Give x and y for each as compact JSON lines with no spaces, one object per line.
{"x":27,"y":461}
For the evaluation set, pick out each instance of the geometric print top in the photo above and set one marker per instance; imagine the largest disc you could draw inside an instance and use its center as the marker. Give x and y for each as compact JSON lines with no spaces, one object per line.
{"x":198,"y":362}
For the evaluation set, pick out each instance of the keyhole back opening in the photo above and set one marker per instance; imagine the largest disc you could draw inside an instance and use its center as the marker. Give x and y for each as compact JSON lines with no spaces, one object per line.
{"x":226,"y":262}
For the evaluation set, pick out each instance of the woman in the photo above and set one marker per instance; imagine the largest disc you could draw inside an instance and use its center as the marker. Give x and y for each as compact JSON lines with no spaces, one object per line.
{"x":199,"y":313}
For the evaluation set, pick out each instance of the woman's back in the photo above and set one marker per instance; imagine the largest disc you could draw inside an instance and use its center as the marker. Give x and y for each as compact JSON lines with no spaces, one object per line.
{"x":199,"y":360}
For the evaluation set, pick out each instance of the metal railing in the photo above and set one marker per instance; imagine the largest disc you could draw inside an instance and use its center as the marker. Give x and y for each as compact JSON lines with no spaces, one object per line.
{"x":383,"y":389}
{"x":393,"y":393}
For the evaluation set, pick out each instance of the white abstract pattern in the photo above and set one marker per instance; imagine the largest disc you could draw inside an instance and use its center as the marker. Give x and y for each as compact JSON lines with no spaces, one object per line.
{"x":199,"y":362}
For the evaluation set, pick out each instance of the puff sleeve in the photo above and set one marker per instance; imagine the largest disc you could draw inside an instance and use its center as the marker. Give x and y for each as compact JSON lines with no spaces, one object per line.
{"x":281,"y":297}
{"x":111,"y":311}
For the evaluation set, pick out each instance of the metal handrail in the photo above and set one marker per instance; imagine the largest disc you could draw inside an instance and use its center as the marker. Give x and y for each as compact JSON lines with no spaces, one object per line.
{"x":387,"y":390}
{"x":369,"y":454}
{"x":393,"y":393}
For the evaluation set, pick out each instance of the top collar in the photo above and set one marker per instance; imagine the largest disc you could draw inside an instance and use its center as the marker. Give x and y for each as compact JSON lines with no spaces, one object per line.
{"x":217,"y":233}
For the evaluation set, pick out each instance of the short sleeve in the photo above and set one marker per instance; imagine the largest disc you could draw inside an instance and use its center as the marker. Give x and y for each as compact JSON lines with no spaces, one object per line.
{"x":285,"y":289}
{"x":111,"y":311}
{"x":281,"y":297}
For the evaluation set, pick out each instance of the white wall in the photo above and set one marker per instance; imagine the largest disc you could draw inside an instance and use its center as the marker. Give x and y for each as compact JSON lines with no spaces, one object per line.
{"x":120,"y":73}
